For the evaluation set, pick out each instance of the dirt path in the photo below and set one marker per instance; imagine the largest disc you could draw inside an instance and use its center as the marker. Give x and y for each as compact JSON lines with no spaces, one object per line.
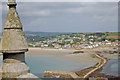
{"x":103,"y":62}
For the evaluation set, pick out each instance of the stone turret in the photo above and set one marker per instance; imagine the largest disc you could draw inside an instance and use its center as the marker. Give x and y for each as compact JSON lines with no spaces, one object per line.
{"x":13,"y":40}
{"x":14,"y":46}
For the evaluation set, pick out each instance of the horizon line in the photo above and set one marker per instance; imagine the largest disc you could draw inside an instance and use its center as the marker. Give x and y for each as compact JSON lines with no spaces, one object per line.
{"x":71,"y":32}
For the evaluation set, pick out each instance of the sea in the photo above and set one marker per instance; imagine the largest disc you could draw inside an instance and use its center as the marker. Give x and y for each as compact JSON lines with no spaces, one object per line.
{"x":112,"y":67}
{"x":39,"y":64}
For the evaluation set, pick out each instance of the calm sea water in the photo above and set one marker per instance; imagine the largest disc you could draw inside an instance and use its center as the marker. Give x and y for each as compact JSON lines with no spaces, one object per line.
{"x":39,"y":64}
{"x":1,"y":60}
{"x":111,"y":68}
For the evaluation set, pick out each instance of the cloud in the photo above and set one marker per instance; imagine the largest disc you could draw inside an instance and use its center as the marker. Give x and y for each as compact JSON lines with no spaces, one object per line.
{"x":4,"y":7}
{"x":67,"y":16}
{"x":65,"y":0}
{"x":0,"y":17}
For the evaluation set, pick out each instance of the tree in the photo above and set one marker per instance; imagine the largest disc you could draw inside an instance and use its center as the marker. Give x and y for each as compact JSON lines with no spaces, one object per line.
{"x":50,"y":45}
{"x":112,"y":40}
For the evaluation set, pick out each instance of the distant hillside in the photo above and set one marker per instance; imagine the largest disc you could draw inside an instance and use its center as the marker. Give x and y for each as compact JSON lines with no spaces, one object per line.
{"x":38,"y":36}
{"x":41,"y":34}
{"x":0,"y":36}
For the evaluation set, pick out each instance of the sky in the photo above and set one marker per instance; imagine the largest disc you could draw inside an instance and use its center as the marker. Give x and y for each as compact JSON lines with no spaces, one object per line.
{"x":63,"y":0}
{"x":66,"y":16}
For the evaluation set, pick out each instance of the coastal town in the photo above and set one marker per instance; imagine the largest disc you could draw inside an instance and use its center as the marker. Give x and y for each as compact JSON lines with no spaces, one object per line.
{"x":98,"y":48}
{"x":77,"y":41}
{"x":72,"y":46}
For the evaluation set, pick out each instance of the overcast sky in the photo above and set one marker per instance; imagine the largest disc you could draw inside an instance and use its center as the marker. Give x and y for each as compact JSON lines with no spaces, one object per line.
{"x":67,"y":16}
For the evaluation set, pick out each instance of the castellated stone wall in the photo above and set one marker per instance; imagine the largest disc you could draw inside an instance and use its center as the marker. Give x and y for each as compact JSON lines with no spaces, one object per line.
{"x":0,"y":74}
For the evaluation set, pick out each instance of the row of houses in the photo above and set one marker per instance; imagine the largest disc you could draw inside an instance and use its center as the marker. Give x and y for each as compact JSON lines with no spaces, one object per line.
{"x":63,"y":42}
{"x":76,"y":46}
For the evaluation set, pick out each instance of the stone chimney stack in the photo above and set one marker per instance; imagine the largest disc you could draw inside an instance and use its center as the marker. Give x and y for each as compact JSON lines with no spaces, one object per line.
{"x":13,"y":45}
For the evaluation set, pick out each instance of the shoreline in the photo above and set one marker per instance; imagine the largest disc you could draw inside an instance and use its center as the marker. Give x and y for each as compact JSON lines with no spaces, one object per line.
{"x":64,"y":54}
{"x":96,"y":72}
{"x":91,"y":72}
{"x":79,"y":57}
{"x":87,"y":72}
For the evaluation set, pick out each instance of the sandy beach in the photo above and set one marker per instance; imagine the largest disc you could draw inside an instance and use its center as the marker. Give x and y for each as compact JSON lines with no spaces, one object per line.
{"x":67,"y":53}
{"x":85,"y":57}
{"x":79,"y":57}
{"x":63,"y":53}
